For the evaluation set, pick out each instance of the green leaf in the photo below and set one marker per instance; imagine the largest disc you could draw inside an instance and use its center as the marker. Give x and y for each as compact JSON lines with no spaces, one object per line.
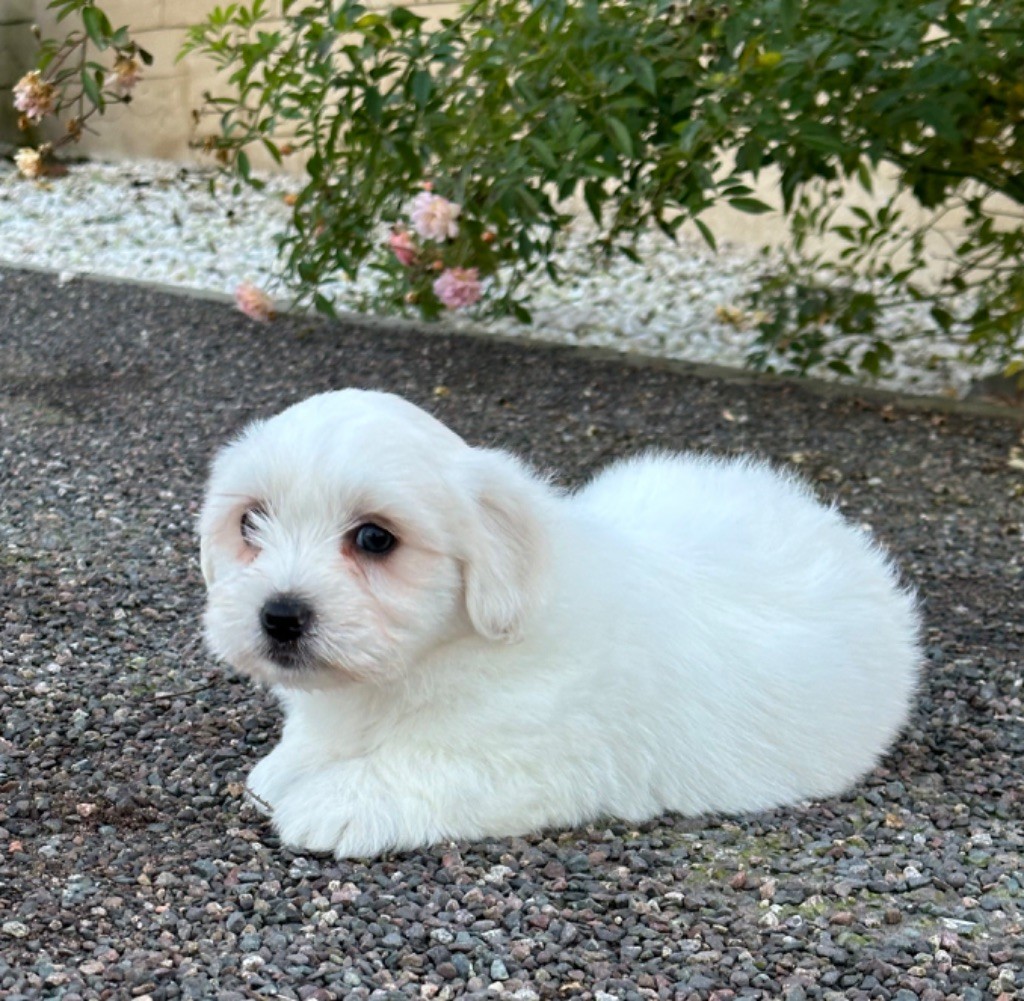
{"x":368,"y":22}
{"x":272,"y":149}
{"x":620,"y":136}
{"x":65,"y":8}
{"x":594,"y":196}
{"x":374,"y":104}
{"x":840,"y":61}
{"x":422,"y":87}
{"x":410,"y":160}
{"x":629,"y":253}
{"x":821,"y":137}
{"x":402,"y":18}
{"x":97,"y":26}
{"x":92,"y":85}
{"x":789,"y":11}
{"x":871,"y":363}
{"x":752,"y":206}
{"x":543,"y":151}
{"x":643,"y":71}
{"x":840,"y":366}
{"x":324,"y":306}
{"x":690,"y":134}
{"x":750,"y":156}
{"x":943,"y":317}
{"x":864,"y":176}
{"x":709,"y":237}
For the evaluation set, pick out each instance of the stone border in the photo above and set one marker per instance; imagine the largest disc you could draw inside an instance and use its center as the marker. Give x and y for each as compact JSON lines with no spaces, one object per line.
{"x":702,"y":370}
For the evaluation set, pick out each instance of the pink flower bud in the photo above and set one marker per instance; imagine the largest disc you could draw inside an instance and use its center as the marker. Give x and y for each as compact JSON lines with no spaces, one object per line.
{"x":403,"y":247}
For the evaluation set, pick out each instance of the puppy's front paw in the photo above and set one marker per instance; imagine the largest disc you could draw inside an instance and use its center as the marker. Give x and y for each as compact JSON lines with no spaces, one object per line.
{"x":341,"y":809}
{"x":270,"y":779}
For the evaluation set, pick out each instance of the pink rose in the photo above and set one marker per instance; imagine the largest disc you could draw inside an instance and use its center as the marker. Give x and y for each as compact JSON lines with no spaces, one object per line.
{"x":254,"y":302}
{"x":433,"y":217}
{"x":458,"y":287}
{"x":403,"y":248}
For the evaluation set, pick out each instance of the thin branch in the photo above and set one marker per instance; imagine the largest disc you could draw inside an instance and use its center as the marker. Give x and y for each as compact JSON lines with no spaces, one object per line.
{"x":185,"y":691}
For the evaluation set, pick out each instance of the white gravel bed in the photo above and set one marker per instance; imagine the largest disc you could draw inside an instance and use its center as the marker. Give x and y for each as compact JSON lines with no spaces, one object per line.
{"x":158,"y":222}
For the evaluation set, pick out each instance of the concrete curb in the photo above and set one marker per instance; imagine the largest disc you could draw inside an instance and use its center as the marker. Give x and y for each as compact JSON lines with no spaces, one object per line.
{"x":815,"y":386}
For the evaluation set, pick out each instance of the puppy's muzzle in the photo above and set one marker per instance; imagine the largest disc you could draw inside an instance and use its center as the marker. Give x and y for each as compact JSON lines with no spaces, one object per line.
{"x":285,"y":619}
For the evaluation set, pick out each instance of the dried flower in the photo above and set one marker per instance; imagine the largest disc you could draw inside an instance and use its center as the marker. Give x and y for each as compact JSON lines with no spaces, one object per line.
{"x":433,"y":217}
{"x":254,"y":302}
{"x":458,"y":287}
{"x":34,"y":96}
{"x":730,"y":314}
{"x":403,"y":248}
{"x":29,"y":162}
{"x":127,"y":73}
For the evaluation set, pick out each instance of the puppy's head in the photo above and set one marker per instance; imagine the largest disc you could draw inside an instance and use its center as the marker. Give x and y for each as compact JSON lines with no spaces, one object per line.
{"x":353,"y":534}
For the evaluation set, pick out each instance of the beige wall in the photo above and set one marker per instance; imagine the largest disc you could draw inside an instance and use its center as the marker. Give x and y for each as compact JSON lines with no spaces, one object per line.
{"x":158,"y":122}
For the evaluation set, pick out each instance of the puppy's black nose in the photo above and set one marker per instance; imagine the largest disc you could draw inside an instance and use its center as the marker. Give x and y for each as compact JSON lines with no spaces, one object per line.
{"x":285,"y":618}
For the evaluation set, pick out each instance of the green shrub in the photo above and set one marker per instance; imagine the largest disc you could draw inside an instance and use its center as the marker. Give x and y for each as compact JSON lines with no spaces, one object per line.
{"x":650,"y":113}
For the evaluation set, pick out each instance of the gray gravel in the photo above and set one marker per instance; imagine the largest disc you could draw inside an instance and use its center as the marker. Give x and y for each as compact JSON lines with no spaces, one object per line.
{"x":130,"y":866}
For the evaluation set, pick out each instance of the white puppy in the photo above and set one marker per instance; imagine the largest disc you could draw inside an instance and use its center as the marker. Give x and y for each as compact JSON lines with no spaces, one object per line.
{"x":462,"y":650}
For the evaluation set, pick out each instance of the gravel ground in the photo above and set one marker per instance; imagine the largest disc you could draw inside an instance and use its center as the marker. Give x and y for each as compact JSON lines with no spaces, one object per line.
{"x":130,"y":866}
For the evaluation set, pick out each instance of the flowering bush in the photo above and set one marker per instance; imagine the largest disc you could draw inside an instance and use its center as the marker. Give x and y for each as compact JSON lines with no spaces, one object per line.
{"x":649,"y":113}
{"x":70,"y":85}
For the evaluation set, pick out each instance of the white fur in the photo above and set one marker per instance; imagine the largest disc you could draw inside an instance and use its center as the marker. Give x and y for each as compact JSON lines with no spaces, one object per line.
{"x":685,"y":633}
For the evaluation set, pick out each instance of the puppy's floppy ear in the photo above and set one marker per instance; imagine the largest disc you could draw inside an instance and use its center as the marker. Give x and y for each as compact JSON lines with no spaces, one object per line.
{"x":505,"y":548}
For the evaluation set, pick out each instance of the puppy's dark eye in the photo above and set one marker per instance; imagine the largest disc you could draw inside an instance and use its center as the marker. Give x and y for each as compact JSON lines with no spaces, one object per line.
{"x":373,"y":539}
{"x":249,"y":522}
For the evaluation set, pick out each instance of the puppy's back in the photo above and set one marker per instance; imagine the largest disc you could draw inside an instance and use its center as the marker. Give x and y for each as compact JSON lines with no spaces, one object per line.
{"x":795,"y":648}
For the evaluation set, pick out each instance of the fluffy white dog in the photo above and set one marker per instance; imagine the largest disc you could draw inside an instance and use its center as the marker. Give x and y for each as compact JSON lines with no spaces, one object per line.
{"x":462,"y":650}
